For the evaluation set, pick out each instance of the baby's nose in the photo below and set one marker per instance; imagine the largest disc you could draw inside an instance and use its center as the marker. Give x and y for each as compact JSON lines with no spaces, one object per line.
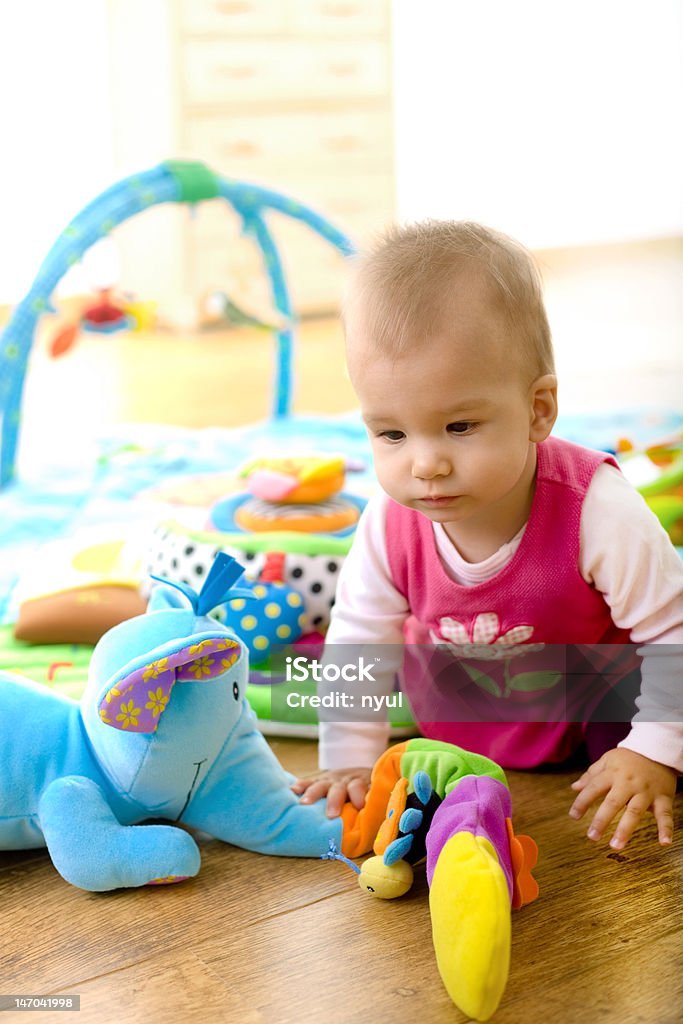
{"x":430,"y":463}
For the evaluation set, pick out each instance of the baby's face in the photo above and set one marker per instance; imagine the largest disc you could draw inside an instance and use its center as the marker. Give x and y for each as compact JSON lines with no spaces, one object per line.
{"x":449,"y":422}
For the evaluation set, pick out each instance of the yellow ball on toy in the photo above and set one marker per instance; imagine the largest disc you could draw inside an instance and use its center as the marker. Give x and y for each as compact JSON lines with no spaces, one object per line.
{"x":385,"y":881}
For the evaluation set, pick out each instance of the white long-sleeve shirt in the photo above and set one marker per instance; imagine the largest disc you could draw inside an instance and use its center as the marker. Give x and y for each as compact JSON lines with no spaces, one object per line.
{"x":624,"y":552}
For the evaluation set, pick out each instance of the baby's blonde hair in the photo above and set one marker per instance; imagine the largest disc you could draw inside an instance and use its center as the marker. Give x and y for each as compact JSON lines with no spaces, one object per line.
{"x":407,"y":281}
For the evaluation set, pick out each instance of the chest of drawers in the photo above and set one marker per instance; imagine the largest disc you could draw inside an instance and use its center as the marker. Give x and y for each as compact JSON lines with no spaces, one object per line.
{"x":294,"y":95}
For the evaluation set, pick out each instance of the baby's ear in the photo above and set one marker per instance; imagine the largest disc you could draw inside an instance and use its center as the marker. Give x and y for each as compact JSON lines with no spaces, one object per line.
{"x":543,"y":406}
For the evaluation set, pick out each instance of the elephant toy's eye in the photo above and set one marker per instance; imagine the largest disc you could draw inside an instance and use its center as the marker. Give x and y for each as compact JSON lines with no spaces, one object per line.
{"x":219,"y":614}
{"x":235,"y":691}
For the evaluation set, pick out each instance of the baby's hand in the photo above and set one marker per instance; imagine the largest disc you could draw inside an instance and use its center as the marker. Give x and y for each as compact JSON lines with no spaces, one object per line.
{"x":341,"y":785}
{"x":630,"y":781}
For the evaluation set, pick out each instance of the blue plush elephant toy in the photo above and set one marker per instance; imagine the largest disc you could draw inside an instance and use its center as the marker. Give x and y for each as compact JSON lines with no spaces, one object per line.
{"x":163,"y":731}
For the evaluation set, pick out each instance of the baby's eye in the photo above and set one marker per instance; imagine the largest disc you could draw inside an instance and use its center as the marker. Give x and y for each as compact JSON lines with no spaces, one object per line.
{"x":391,"y":435}
{"x":461,"y":427}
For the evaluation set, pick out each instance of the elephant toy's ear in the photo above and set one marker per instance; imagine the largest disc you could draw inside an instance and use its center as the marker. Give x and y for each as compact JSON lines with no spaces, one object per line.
{"x":136,"y":701}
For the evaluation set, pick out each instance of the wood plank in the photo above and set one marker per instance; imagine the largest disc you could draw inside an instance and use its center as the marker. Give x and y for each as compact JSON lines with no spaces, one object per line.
{"x":349,"y":959}
{"x":165,"y":989}
{"x":640,"y":983}
{"x":93,"y":932}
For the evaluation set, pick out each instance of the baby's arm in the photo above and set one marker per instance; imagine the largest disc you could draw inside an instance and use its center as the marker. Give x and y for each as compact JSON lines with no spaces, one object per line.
{"x":367,"y":621}
{"x":628,"y":557}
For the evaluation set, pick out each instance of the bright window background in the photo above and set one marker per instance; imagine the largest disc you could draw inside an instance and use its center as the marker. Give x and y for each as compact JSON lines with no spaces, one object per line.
{"x":559,"y":123}
{"x":56,"y":130}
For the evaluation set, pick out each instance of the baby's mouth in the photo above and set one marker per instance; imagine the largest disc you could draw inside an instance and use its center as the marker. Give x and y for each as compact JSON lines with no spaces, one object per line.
{"x":438,"y":500}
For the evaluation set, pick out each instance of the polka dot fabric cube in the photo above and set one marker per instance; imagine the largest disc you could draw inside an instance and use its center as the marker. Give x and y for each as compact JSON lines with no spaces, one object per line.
{"x":274,"y":615}
{"x":184,"y":558}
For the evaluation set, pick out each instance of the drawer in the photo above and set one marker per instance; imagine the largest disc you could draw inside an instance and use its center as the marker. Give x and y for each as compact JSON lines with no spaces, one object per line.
{"x":232,"y":71}
{"x":259,"y":147}
{"x":272,"y":17}
{"x":356,"y":206}
{"x":232,"y":16}
{"x":339,"y":17}
{"x":314,"y":269}
{"x":315,"y":274}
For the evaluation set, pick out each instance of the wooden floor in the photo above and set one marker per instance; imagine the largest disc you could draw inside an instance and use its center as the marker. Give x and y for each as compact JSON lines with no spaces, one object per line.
{"x":258,"y":939}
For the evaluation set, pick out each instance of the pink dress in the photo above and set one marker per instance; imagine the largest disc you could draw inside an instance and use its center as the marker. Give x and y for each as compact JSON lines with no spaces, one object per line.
{"x":502,"y":680}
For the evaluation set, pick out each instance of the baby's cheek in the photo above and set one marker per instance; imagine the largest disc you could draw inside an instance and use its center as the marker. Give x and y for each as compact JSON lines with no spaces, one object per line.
{"x":502,"y":467}
{"x":391,"y":474}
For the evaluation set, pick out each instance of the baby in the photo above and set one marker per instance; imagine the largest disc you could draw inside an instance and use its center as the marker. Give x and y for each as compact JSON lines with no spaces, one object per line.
{"x":490,"y":533}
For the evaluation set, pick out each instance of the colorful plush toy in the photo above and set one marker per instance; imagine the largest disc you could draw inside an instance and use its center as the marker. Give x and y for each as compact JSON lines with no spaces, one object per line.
{"x":657,"y":472}
{"x":269,"y":613}
{"x":292,"y":510}
{"x":74,"y":589}
{"x":435,"y":800}
{"x":163,"y":731}
{"x":291,"y":495}
{"x":308,"y":478}
{"x":102,"y":317}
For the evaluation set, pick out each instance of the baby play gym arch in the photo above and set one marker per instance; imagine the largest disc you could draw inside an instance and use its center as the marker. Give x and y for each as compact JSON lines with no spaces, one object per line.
{"x":174,"y":181}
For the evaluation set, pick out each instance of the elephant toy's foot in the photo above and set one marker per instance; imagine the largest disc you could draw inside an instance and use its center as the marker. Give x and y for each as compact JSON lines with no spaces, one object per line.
{"x":92,"y":850}
{"x":469,"y":902}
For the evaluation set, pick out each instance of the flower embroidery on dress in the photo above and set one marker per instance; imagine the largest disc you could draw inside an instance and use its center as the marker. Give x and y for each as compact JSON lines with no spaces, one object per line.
{"x":485,"y":641}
